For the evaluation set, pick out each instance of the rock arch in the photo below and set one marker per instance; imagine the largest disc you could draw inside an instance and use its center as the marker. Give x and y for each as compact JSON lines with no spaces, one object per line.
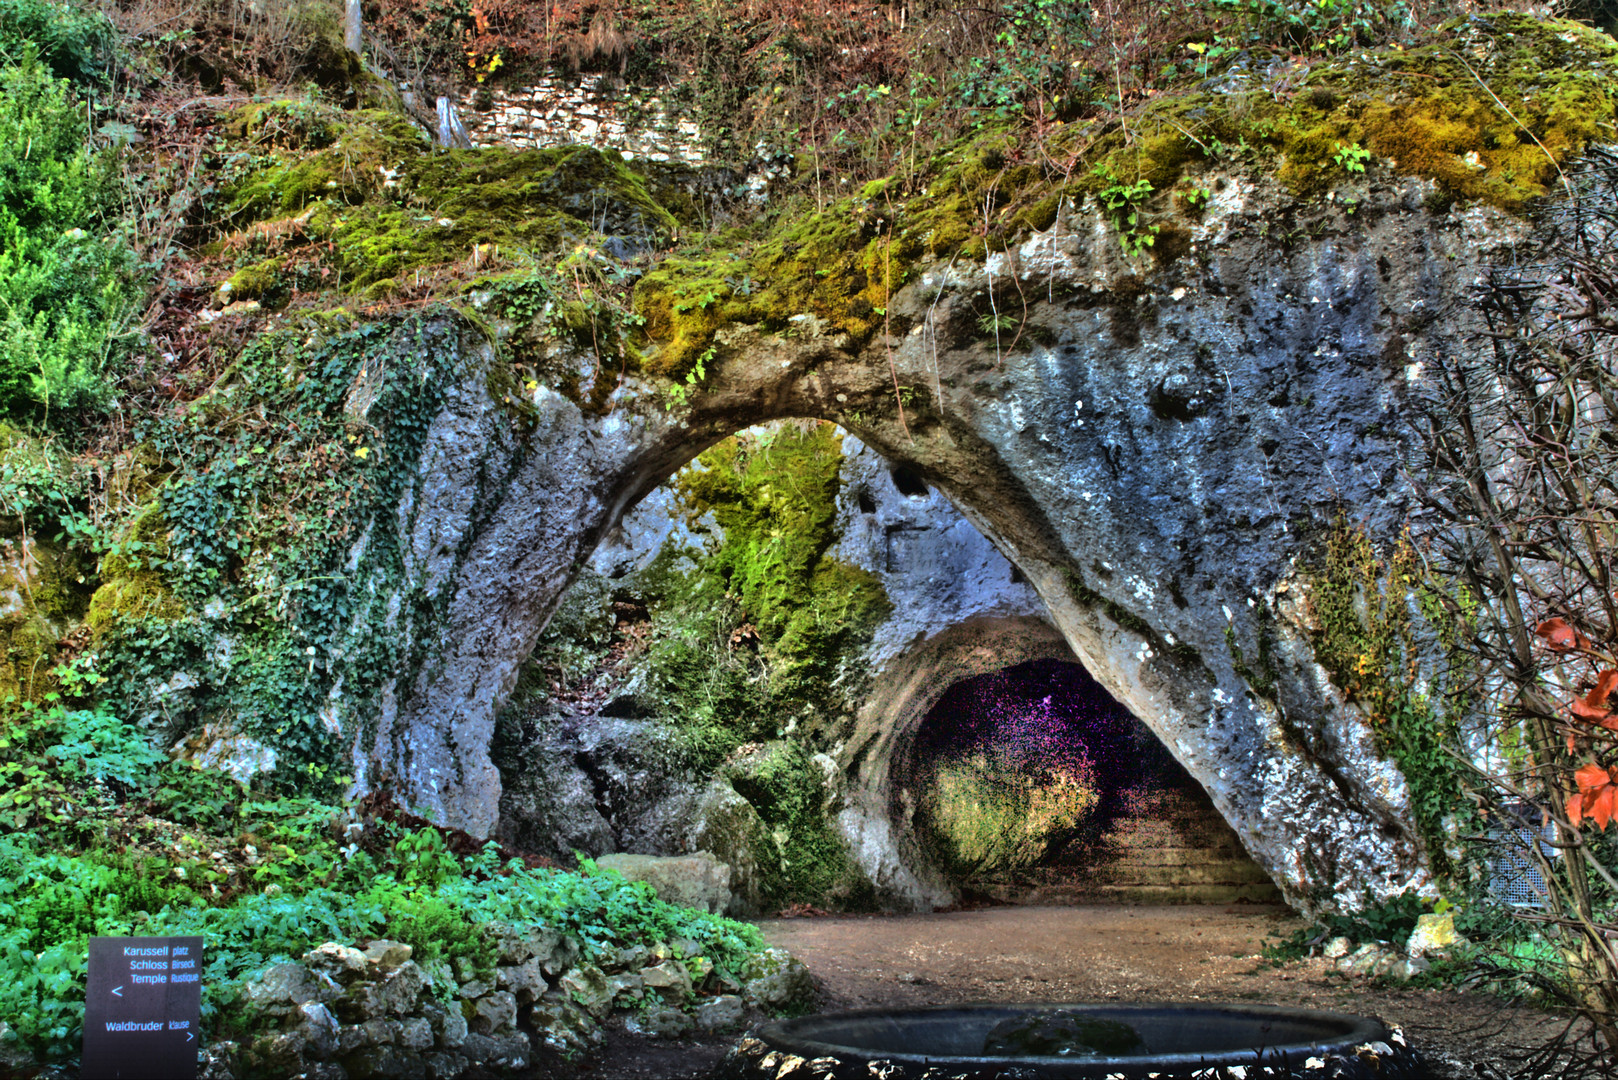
{"x":1152,"y":459}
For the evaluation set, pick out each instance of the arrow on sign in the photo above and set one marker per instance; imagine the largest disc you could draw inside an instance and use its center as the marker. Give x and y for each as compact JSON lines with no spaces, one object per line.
{"x":190,"y":1035}
{"x":117,"y":991}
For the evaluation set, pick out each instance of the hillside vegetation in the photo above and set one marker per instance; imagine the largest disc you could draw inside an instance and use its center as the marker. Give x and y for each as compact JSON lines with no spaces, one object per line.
{"x":211,"y":215}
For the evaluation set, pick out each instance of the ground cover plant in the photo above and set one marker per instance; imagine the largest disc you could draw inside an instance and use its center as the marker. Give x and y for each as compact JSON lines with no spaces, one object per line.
{"x":105,"y":836}
{"x":69,"y":286}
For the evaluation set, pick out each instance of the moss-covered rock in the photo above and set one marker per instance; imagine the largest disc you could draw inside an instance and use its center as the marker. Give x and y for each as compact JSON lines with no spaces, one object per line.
{"x":131,"y":588}
{"x":371,"y":183}
{"x":46,"y":569}
{"x":1487,"y":107}
{"x":989,"y":814}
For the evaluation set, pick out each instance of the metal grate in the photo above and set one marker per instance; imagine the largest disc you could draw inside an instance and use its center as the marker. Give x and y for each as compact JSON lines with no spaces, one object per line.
{"x":1513,"y":876}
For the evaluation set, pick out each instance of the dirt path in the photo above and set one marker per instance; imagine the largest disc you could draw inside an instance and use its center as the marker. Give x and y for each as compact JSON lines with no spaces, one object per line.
{"x":1094,"y":953}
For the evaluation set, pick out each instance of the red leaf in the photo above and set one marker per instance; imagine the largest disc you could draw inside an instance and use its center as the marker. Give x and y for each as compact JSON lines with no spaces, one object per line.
{"x":1606,"y":682}
{"x":1575,"y":810}
{"x":1602,"y":810}
{"x":1590,"y":777}
{"x":1586,"y":713}
{"x":1560,"y":637}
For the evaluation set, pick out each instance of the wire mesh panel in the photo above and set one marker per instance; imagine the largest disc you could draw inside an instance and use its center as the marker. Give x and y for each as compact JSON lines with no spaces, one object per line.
{"x":1513,"y":875}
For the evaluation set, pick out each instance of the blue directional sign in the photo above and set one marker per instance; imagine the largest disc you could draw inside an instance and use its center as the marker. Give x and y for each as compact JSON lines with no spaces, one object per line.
{"x":142,"y":1008}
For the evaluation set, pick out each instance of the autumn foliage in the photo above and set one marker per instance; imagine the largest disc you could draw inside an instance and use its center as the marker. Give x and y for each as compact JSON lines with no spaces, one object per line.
{"x":1598,"y":788}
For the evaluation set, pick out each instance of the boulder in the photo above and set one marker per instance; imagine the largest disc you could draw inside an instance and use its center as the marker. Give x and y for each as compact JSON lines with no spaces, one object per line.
{"x":1434,"y":935}
{"x":449,"y":1026}
{"x":626,"y":987}
{"x":508,"y":1051}
{"x":280,"y":989}
{"x":668,"y":978}
{"x":319,"y":1029}
{"x":494,"y":1013}
{"x":562,"y":1025}
{"x":775,"y":979}
{"x":387,"y":955}
{"x":526,"y":980}
{"x":698,"y":881}
{"x":343,"y":964}
{"x":587,"y":986}
{"x":660,"y":1023}
{"x":723,"y":1013}
{"x":388,"y":1062}
{"x":416,"y":1034}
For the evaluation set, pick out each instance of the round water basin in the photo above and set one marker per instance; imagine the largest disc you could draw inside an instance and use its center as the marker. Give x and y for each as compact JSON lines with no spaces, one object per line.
{"x":1035,"y":1042}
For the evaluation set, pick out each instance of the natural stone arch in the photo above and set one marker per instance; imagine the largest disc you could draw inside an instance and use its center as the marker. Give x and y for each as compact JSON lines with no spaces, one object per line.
{"x":1147,"y":463}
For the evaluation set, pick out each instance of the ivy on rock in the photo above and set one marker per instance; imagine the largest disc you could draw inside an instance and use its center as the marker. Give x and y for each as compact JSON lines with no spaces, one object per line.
{"x":264,"y":589}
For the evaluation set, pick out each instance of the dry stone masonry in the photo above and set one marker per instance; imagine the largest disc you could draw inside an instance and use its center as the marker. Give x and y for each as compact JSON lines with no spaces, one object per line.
{"x":588,"y":110}
{"x":343,"y":1013}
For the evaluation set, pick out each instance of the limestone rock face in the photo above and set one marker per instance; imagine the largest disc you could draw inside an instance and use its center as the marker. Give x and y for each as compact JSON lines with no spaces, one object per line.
{"x":698,"y":880}
{"x":1149,"y":457}
{"x":934,"y":566}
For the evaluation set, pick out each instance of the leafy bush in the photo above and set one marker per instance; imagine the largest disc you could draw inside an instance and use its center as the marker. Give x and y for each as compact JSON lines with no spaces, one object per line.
{"x":66,"y":296}
{"x":74,"y":43}
{"x":298,"y":885}
{"x":56,"y":764}
{"x":1320,"y":25}
{"x":1391,"y":922}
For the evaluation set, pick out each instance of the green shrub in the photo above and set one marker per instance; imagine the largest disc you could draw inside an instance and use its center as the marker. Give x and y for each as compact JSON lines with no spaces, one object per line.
{"x":307,"y":887}
{"x":67,"y":294}
{"x":74,"y":43}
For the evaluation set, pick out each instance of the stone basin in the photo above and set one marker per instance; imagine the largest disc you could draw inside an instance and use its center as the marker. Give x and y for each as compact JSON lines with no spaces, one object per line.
{"x":1035,"y":1042}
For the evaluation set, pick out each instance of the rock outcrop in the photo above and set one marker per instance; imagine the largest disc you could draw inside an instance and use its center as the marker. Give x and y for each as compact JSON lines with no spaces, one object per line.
{"x":1151,"y":436}
{"x":342,"y":1013}
{"x":1152,"y":469}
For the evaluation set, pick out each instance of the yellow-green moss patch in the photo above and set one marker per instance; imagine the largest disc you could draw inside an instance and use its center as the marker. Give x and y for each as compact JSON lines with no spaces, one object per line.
{"x":130,"y":589}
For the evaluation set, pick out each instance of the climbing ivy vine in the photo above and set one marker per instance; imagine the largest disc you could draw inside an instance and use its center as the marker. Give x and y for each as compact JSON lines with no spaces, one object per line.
{"x":265,"y":587}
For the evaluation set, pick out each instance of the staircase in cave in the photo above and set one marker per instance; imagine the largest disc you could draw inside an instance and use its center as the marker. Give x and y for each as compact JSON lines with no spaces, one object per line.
{"x":1165,"y":845}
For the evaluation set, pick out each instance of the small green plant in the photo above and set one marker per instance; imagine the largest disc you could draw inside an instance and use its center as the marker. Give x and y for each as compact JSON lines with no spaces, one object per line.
{"x":1123,"y":201}
{"x":67,"y":292}
{"x":994,"y":323}
{"x":1352,"y":157}
{"x":678,"y":393}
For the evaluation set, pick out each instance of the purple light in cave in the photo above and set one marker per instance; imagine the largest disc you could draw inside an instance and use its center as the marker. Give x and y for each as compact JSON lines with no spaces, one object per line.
{"x":1044,"y":715}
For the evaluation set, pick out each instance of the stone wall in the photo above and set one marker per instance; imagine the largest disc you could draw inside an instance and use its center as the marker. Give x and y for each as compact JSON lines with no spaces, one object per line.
{"x":591,"y":110}
{"x":343,"y":1013}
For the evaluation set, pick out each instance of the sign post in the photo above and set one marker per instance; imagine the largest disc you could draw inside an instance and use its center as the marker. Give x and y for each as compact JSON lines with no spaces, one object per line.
{"x":142,"y":1008}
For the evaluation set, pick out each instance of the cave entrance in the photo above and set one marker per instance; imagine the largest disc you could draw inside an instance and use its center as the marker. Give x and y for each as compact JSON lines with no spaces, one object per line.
{"x":1031,"y":784}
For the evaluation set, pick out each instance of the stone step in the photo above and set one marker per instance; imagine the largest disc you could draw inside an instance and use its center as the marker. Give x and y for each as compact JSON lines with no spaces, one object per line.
{"x":1073,"y":895}
{"x":1228,"y":872}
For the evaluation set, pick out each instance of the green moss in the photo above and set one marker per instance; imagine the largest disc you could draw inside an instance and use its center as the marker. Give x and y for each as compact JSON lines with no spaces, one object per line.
{"x":131,"y":588}
{"x":775,"y":498}
{"x":392,"y":206}
{"x":286,"y":124}
{"x":1421,"y":109}
{"x":1368,"y":640}
{"x":349,"y":170}
{"x":762,"y":634}
{"x":1428,"y":111}
{"x":260,"y":281}
{"x":989,"y":813}
{"x":788,"y":789}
